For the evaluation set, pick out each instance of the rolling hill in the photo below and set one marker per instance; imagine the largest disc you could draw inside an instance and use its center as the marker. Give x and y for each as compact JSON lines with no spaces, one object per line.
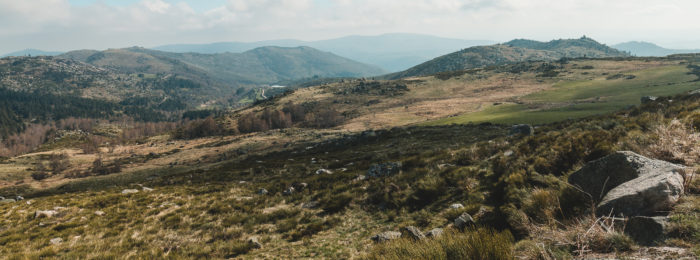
{"x":264,"y":65}
{"x":511,"y":52}
{"x":637,"y":48}
{"x":392,"y":52}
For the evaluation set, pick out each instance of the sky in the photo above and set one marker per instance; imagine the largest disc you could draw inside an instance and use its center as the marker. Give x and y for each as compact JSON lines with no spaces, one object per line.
{"x":61,"y":25}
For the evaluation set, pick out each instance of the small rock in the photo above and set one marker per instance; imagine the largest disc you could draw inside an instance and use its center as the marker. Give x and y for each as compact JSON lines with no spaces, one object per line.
{"x":360,"y":178}
{"x":99,"y":213}
{"x":45,"y":213}
{"x":646,"y":230}
{"x":147,"y":189}
{"x":323,"y":171}
{"x":435,"y":232}
{"x":413,"y":233}
{"x":262,"y":191}
{"x":648,"y":99}
{"x":508,"y":153}
{"x":523,"y":129}
{"x":456,"y":206}
{"x":18,"y":198}
{"x":56,"y":241}
{"x":300,"y":186}
{"x":385,"y":236}
{"x":288,"y":191}
{"x":129,"y":191}
{"x":384,"y":169}
{"x":464,"y":221}
{"x":254,"y":242}
{"x":310,"y":205}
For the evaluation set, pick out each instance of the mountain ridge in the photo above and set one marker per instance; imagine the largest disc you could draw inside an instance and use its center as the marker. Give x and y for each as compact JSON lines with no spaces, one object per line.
{"x":511,"y":52}
{"x":641,"y":48}
{"x":392,"y":52}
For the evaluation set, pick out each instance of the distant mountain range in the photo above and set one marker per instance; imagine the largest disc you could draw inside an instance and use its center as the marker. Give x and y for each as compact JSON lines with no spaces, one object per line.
{"x":264,"y":65}
{"x":637,"y":48}
{"x":511,"y":52}
{"x":31,"y":52}
{"x":392,"y":52}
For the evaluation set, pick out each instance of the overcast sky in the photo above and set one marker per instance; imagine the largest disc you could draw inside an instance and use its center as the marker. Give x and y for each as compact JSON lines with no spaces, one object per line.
{"x":60,"y":25}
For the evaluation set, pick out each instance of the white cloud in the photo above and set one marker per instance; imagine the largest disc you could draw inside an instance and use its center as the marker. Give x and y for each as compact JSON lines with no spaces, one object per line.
{"x":56,"y":25}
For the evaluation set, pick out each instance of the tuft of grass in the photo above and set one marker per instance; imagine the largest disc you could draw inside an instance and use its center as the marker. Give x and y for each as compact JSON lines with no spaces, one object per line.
{"x":473,"y":244}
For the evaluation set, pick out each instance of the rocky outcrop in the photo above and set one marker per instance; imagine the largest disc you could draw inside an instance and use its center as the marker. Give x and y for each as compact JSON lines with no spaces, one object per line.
{"x":646,"y":230}
{"x":384,"y":169}
{"x":386,"y":236}
{"x":598,"y":177}
{"x":630,"y":185}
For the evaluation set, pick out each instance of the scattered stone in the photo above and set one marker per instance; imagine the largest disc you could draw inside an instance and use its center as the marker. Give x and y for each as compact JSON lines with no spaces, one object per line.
{"x":99,"y":213}
{"x":464,"y":221}
{"x":694,"y":92}
{"x":56,"y":241}
{"x":523,"y":129}
{"x":412,"y":233}
{"x":45,"y":213}
{"x":255,"y":243}
{"x":486,"y":216}
{"x":18,"y":198}
{"x":434,"y":233}
{"x":385,"y":236}
{"x":360,"y":178}
{"x":648,"y":99}
{"x":646,"y":230}
{"x":7,"y":201}
{"x":262,"y":191}
{"x":300,"y":186}
{"x":456,"y":206}
{"x":288,"y":191}
{"x":129,"y":191}
{"x":508,"y":153}
{"x":384,"y":169}
{"x":147,"y":189}
{"x":629,"y":184}
{"x":323,"y":171}
{"x":310,"y":205}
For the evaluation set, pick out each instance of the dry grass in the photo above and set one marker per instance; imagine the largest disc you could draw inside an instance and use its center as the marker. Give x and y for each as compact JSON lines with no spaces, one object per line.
{"x":677,"y":142}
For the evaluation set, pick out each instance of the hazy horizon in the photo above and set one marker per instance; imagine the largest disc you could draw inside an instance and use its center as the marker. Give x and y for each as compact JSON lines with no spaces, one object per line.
{"x":63,"y":25}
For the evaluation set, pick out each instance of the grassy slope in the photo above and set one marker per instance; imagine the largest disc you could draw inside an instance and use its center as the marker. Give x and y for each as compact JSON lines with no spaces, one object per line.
{"x":575,"y":99}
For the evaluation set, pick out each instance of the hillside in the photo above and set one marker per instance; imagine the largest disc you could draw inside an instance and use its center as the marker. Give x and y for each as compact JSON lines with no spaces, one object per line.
{"x":649,"y":49}
{"x":391,"y":52}
{"x":264,"y":65}
{"x":229,"y":196}
{"x":511,"y":52}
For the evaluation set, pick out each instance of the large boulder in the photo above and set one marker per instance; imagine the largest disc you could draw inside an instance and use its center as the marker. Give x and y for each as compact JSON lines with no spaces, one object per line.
{"x":646,"y":230}
{"x":648,"y":195}
{"x":384,"y":169}
{"x":386,"y":236}
{"x":598,"y":177}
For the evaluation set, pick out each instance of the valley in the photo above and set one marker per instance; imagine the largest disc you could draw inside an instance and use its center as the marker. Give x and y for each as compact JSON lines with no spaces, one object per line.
{"x":350,"y":164}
